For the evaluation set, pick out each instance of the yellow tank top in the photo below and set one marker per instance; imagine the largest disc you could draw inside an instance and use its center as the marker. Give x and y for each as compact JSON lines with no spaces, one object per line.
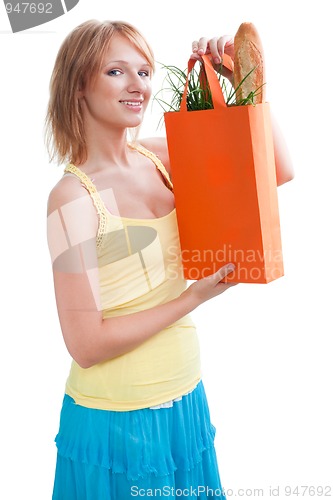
{"x":139,"y":267}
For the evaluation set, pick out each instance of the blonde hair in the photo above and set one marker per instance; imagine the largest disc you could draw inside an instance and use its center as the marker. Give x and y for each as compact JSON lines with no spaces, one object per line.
{"x":78,"y":62}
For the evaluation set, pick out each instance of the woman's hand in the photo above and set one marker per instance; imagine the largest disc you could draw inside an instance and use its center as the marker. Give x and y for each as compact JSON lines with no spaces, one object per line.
{"x":216,"y":47}
{"x":206,"y":288}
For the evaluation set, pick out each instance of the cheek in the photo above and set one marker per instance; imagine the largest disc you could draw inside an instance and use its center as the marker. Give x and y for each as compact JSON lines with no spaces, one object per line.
{"x":148,"y":90}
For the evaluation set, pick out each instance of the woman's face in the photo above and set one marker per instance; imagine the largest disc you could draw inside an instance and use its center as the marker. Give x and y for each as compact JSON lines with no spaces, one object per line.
{"x":119,"y":96}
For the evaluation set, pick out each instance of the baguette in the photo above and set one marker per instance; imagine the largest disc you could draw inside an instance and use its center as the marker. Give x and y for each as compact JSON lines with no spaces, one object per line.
{"x":249,"y":55}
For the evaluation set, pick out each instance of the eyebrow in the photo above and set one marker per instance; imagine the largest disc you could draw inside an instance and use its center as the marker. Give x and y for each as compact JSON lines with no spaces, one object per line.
{"x":124,"y":62}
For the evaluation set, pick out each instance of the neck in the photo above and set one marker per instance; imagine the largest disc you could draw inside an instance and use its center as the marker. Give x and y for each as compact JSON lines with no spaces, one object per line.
{"x":106,"y":147}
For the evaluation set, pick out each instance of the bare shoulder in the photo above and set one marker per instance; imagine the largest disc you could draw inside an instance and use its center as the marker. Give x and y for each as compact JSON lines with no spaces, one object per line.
{"x":67,"y":190}
{"x":158,"y":146}
{"x":72,"y":220}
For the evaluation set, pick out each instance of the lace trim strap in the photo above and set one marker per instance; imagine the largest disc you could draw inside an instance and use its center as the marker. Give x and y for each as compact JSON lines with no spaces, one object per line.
{"x":159,"y":165}
{"x":98,"y":203}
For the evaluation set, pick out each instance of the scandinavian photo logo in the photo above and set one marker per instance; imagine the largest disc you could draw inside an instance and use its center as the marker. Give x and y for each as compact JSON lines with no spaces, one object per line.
{"x":25,"y":15}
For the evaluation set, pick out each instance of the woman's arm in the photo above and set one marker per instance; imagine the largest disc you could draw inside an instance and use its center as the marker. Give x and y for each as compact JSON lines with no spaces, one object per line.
{"x":283,"y":164}
{"x":90,"y":339}
{"x":225,"y":44}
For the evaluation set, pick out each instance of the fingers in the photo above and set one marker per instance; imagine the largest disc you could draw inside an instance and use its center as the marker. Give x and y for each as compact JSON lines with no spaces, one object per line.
{"x":221,"y":45}
{"x":225,"y":44}
{"x":200,"y":47}
{"x":195,"y":46}
{"x":216,"y":46}
{"x":222,"y":273}
{"x":211,"y":286}
{"x":215,"y":50}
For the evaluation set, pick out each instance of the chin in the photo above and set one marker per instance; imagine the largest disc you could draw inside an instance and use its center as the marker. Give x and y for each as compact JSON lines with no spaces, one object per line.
{"x":134,"y":123}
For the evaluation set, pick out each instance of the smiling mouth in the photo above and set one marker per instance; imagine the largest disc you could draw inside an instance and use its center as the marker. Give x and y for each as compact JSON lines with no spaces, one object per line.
{"x":135,"y":104}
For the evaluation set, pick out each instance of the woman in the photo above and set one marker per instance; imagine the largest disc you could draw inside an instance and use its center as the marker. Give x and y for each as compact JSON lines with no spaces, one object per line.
{"x":135,"y":420}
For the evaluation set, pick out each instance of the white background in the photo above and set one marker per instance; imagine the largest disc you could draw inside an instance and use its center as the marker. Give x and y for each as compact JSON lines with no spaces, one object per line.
{"x":266,"y":349}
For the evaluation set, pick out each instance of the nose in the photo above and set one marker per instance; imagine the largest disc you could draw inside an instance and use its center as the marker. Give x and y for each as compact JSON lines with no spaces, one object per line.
{"x":137,"y":83}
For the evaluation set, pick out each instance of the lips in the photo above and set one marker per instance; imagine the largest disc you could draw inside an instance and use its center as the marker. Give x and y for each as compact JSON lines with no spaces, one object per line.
{"x":134,"y":104}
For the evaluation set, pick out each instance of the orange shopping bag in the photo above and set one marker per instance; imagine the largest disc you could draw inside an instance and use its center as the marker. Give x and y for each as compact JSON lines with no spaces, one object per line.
{"x":223,"y":171}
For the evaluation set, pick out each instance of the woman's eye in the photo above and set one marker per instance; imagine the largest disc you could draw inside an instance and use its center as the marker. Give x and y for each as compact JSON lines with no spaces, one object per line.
{"x":144,"y":73}
{"x":114,"y":72}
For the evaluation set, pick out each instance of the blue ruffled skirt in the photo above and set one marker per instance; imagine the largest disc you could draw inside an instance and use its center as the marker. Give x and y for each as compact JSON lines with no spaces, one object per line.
{"x":148,"y":453}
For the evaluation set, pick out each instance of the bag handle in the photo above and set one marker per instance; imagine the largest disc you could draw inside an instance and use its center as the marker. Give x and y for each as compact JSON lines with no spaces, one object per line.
{"x":214,"y":84}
